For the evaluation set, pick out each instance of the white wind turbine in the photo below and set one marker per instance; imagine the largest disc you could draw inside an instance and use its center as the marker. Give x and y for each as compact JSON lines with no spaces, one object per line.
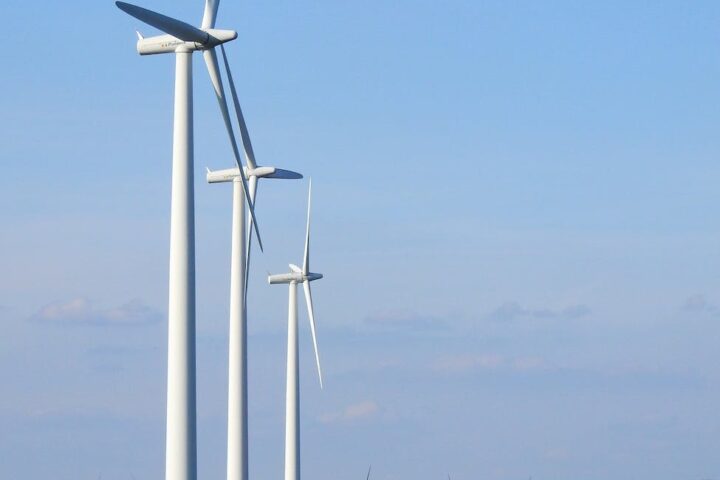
{"x":292,"y":393}
{"x":184,"y":39}
{"x":237,"y":445}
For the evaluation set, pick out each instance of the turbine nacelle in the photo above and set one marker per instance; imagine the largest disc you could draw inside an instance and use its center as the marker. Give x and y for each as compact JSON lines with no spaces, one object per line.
{"x":170,"y":44}
{"x":295,"y":276}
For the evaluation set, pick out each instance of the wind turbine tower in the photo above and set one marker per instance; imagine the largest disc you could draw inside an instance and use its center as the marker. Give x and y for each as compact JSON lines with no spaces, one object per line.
{"x":183,"y":39}
{"x":292,"y":393}
{"x":237,"y":445}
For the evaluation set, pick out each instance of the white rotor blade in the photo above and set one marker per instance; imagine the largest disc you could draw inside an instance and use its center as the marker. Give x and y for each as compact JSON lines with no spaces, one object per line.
{"x":210,"y":14}
{"x":306,"y":257}
{"x":311,"y":315}
{"x":214,"y":71}
{"x":174,"y":27}
{"x":247,"y":145}
{"x":253,"y":190}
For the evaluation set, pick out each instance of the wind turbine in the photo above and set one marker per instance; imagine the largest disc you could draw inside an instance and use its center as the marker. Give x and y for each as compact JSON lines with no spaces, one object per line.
{"x":292,"y":393}
{"x":237,"y":445}
{"x":184,"y":39}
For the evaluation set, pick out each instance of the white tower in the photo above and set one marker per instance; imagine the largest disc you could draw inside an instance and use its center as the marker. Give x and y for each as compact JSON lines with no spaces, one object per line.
{"x":184,"y":39}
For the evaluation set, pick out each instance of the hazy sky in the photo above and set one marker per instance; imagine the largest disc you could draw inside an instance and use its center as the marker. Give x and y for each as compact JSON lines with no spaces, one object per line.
{"x":515,"y":210}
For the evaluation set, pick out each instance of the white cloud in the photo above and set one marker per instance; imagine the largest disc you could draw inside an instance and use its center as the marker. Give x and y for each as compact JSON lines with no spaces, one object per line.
{"x":355,"y":411}
{"x":79,"y":311}
{"x":76,"y":309}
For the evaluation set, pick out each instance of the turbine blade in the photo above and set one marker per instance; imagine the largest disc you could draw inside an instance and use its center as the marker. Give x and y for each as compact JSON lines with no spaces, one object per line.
{"x":174,"y":27}
{"x":210,"y":13}
{"x":213,"y":69}
{"x":311,"y":315}
{"x":285,"y":174}
{"x":306,"y":256}
{"x":247,"y":145}
{"x":368,"y":475}
{"x":253,"y":190}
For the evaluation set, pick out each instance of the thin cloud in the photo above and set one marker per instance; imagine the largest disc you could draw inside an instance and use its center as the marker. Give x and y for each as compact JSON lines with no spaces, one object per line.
{"x":514,"y":311}
{"x":405,"y":320}
{"x":535,"y":372}
{"x":79,"y":311}
{"x":488,"y":361}
{"x":464,"y":363}
{"x":528,"y":363}
{"x":699,"y":304}
{"x":556,"y":453}
{"x":353,"y":412}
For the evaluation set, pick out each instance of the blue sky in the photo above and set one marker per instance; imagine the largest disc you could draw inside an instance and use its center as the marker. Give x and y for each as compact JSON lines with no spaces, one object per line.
{"x":513,"y":210}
